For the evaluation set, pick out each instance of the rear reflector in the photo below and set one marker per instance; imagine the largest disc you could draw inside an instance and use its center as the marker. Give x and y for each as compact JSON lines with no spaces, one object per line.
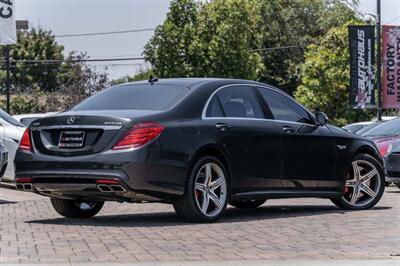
{"x":139,"y":135}
{"x":107,"y":181}
{"x":23,"y":180}
{"x":25,"y":143}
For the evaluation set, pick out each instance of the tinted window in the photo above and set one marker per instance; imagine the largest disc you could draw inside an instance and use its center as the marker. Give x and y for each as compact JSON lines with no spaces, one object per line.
{"x":9,"y":119}
{"x":284,"y":108}
{"x":135,"y":97}
{"x":214,"y":108}
{"x":391,"y":127}
{"x":239,"y":101}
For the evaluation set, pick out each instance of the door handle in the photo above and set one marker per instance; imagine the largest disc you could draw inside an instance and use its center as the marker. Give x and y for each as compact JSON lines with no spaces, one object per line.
{"x":288,"y":130}
{"x":222,"y":126}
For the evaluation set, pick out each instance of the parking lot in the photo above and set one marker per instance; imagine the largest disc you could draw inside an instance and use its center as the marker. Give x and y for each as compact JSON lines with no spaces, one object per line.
{"x":298,"y":229}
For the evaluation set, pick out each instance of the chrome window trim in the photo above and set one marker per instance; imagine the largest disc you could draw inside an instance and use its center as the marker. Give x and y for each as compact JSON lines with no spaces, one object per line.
{"x":204,"y":113}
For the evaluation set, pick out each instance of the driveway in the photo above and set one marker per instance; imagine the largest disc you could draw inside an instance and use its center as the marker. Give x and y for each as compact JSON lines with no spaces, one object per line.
{"x":296,"y":230}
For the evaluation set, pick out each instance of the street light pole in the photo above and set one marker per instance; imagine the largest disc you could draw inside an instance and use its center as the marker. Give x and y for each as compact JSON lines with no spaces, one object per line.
{"x":379,"y":58}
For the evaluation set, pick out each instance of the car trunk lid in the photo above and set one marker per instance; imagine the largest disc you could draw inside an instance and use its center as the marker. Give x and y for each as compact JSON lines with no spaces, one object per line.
{"x":79,"y":133}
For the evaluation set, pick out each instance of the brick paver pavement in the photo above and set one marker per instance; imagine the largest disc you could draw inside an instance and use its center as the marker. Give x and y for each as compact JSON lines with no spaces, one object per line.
{"x":31,"y":232}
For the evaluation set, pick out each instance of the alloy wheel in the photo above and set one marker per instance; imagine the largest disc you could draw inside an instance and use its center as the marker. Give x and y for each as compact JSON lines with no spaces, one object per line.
{"x":363,"y":184}
{"x":210,"y":189}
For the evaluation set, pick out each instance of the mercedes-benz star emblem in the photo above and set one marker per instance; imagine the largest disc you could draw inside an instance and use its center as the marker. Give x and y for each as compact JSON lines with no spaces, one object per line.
{"x":71,"y":120}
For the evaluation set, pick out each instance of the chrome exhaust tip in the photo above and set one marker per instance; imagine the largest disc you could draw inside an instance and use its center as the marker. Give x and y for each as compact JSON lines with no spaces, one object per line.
{"x":19,"y":187}
{"x":111,"y":188}
{"x":117,"y":188}
{"x":104,"y":188}
{"x":28,"y":187}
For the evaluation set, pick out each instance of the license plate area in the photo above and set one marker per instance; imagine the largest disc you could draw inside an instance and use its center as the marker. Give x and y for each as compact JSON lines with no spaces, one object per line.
{"x":71,"y":139}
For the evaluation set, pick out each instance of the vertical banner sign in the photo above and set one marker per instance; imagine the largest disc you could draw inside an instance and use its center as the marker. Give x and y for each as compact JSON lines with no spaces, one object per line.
{"x":362,"y":70}
{"x":391,"y":67}
{"x":8,"y":29}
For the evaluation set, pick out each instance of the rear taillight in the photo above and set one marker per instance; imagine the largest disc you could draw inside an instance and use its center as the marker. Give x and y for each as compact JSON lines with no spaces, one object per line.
{"x":25,"y":143}
{"x":23,"y":180}
{"x":139,"y":135}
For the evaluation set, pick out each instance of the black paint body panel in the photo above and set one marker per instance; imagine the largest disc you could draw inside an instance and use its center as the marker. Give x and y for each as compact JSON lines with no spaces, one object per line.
{"x":262,"y":161}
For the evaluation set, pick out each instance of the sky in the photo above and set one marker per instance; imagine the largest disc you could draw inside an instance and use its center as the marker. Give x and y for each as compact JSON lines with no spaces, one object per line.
{"x":92,"y":16}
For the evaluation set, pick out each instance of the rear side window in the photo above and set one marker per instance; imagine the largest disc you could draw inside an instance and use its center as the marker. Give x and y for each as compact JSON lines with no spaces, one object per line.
{"x":235,"y":101}
{"x":284,"y":108}
{"x":135,"y":97}
{"x":215,"y":108}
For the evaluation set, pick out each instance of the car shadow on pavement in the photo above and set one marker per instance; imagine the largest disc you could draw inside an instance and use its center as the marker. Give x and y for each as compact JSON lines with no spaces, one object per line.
{"x":158,"y":219}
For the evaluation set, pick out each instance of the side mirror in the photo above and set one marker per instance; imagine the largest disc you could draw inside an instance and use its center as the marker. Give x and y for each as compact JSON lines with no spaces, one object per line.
{"x":321,"y":119}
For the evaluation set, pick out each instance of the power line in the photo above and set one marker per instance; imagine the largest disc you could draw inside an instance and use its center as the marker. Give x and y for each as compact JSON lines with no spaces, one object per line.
{"x":75,"y":60}
{"x":103,"y":33}
{"x":277,"y":48}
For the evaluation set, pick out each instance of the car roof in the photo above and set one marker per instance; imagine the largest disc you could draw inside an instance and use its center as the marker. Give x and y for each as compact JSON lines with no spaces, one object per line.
{"x":194,"y":82}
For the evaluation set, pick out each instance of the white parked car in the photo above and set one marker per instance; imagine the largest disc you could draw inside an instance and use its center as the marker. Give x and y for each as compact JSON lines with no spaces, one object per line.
{"x":12,"y":131}
{"x":12,"y":128}
{"x":27,"y":119}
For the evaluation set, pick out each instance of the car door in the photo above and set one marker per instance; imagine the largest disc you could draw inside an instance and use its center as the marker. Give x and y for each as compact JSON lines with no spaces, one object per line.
{"x":247,"y":137}
{"x":309,"y":153}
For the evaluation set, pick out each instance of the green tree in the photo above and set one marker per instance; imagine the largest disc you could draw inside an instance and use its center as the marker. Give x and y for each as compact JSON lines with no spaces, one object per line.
{"x":296,"y":24}
{"x":215,"y":39}
{"x":326,"y":77}
{"x":36,"y":44}
{"x":170,"y":49}
{"x":227,"y":35}
{"x":143,"y":74}
{"x":76,"y":82}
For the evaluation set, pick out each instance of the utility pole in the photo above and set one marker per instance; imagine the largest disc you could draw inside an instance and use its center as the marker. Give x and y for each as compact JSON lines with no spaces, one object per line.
{"x":379,"y":58}
{"x":8,"y":81}
{"x":21,"y":25}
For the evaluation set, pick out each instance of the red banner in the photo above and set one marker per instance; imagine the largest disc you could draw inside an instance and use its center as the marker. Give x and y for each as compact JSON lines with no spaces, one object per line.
{"x":391,"y":67}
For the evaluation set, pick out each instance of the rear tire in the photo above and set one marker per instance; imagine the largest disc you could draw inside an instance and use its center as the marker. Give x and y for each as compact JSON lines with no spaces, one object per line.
{"x":365,"y":184}
{"x":247,"y":204}
{"x":206,"y":192}
{"x":76,"y":209}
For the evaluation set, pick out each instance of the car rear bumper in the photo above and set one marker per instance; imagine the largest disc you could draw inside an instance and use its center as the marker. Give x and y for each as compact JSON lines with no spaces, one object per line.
{"x":84,"y":188}
{"x":140,"y":177}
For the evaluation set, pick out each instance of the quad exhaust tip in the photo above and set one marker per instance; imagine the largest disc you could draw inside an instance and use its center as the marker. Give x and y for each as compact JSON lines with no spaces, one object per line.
{"x":104,"y":185}
{"x":111,"y":188}
{"x":24,"y":187}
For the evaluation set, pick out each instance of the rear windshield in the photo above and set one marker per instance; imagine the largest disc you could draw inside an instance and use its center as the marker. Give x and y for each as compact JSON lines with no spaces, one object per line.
{"x":134,"y":97}
{"x":388,"y":128}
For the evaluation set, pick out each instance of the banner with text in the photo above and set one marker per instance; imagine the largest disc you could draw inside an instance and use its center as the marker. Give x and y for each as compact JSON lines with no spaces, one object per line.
{"x":391,"y":67}
{"x":362,"y":69}
{"x":8,"y":30}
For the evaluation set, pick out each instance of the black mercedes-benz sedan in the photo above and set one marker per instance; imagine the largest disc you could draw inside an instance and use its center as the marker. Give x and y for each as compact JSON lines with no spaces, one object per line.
{"x":198,"y":144}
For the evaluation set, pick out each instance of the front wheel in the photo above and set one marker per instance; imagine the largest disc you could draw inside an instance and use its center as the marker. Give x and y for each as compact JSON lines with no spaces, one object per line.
{"x":77,"y":208}
{"x":364,"y":186}
{"x":206,"y":193}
